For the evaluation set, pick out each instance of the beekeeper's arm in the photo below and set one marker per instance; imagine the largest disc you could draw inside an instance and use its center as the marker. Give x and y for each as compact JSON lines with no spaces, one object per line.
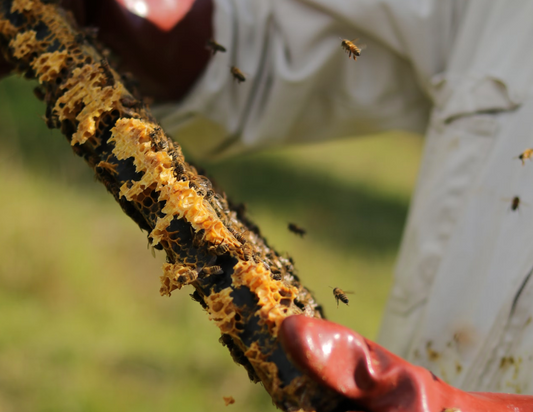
{"x":300,"y":86}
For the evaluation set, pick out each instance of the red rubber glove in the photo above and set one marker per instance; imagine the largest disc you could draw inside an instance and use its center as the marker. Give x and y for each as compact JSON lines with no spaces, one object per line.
{"x":375,"y":380}
{"x":165,"y":50}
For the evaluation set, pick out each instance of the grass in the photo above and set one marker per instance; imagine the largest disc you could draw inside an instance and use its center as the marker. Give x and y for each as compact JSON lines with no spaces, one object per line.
{"x":83,"y":327}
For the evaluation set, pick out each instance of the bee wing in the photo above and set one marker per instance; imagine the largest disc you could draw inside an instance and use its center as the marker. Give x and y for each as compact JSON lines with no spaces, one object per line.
{"x":349,"y":293}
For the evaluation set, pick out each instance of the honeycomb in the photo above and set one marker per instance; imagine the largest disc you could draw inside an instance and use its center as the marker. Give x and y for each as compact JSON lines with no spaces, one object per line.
{"x":246,"y":287}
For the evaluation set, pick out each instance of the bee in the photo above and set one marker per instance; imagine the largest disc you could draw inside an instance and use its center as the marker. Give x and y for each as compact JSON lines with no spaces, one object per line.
{"x":525,"y":155}
{"x":238,"y":236}
{"x":198,"y":298}
{"x":247,"y":252}
{"x":109,"y":167}
{"x":186,"y":277}
{"x":91,"y":33}
{"x":178,"y":169}
{"x":218,"y":249}
{"x":516,"y":202}
{"x":237,"y":74}
{"x":215,"y":47}
{"x":108,"y":73}
{"x":40,"y":93}
{"x":129,"y":101}
{"x":52,"y":121}
{"x":351,"y":48}
{"x":241,"y":237}
{"x":228,"y":400}
{"x":159,"y":145}
{"x":275,"y":273}
{"x":170,"y":259}
{"x":198,"y":239}
{"x":340,"y":295}
{"x":79,"y":38}
{"x":212,"y":270}
{"x":204,"y":184}
{"x":149,"y":246}
{"x":294,"y":228}
{"x":153,"y":247}
{"x":276,"y":276}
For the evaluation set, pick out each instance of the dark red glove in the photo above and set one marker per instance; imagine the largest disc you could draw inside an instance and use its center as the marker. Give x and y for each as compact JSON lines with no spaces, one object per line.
{"x":375,"y":380}
{"x":165,"y":50}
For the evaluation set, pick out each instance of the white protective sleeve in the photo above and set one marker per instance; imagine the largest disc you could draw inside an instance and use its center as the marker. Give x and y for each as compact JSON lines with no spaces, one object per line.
{"x":462,"y":300}
{"x":300,"y":85}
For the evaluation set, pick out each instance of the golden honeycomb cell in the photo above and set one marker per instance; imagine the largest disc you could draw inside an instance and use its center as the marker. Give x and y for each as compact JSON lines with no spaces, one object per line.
{"x":48,"y":66}
{"x":24,"y":44}
{"x":21,"y":6}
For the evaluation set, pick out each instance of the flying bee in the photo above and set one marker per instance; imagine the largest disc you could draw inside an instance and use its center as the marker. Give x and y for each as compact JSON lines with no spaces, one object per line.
{"x":340,"y":295}
{"x":238,"y":76}
{"x":228,"y":400}
{"x":215,"y":47}
{"x":351,"y":48}
{"x":211,"y":270}
{"x":525,"y":155}
{"x":516,"y":202}
{"x":294,"y":228}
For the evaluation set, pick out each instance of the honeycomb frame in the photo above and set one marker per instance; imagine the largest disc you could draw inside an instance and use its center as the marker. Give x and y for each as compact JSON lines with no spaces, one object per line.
{"x":246,"y":287}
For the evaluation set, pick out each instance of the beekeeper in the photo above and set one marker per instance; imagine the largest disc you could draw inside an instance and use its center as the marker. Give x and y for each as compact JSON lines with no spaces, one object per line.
{"x":459,"y":72}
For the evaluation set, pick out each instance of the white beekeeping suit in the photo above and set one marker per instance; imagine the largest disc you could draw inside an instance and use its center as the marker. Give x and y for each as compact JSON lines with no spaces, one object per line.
{"x":462,"y":302}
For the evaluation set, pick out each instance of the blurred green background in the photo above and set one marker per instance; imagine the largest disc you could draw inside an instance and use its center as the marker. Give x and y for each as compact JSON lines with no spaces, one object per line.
{"x":82,"y":325}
